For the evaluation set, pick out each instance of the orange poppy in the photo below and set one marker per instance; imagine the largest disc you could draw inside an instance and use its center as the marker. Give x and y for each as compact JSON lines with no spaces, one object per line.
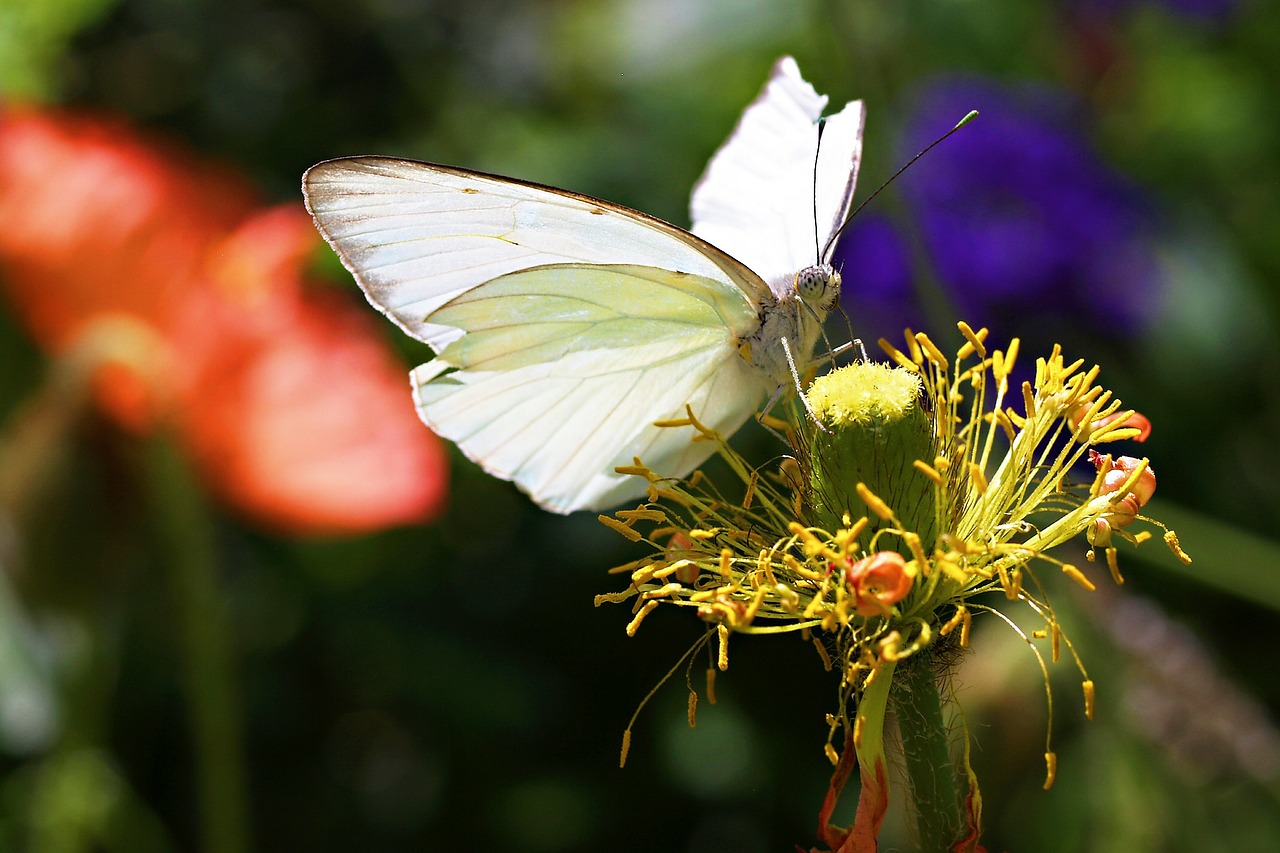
{"x":292,"y":407}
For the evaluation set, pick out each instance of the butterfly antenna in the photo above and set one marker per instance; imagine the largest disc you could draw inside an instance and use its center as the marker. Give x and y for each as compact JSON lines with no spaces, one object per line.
{"x":817,"y":247}
{"x":968,"y":118}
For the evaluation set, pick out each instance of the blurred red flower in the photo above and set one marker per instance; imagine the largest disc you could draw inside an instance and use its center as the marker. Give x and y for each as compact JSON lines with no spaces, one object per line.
{"x":291,"y":406}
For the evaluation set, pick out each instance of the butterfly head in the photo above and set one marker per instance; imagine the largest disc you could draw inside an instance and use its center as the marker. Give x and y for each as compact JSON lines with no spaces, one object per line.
{"x":818,"y":286}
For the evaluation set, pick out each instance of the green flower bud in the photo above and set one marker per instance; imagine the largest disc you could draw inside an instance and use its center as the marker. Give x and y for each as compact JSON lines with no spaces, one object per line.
{"x":871,"y":427}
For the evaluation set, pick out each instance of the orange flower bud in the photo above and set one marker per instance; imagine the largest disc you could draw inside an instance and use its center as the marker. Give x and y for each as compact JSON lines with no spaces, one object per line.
{"x":1115,"y":472}
{"x":676,"y":546}
{"x":878,"y":582}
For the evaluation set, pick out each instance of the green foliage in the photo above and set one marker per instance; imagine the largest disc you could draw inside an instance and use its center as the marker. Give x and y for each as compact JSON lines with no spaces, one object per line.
{"x":420,"y":688}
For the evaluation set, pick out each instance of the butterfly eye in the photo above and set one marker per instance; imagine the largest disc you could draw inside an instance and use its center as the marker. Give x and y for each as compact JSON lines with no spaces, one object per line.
{"x":818,"y":285}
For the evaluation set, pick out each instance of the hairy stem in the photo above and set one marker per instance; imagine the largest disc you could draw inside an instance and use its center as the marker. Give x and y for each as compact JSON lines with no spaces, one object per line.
{"x":935,"y":784}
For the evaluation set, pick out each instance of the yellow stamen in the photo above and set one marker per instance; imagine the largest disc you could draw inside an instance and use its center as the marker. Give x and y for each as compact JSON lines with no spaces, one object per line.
{"x":1051,"y":765}
{"x":1003,"y":420}
{"x":977,"y":478}
{"x":626,"y":747}
{"x":952,"y":623}
{"x":765,"y":564}
{"x":1088,"y":698}
{"x":1078,"y":576}
{"x":1015,"y":583}
{"x":913,"y":347}
{"x":822,"y":653}
{"x":849,"y":535}
{"x":642,"y":514}
{"x":654,"y":494}
{"x":935,"y":354}
{"x":751,"y":489}
{"x":873,"y":502}
{"x":898,"y":356}
{"x":913,"y":544}
{"x":929,"y":471}
{"x":693,"y":710}
{"x":799,"y":569}
{"x":625,"y":529}
{"x":722,"y":634}
{"x":952,"y":570}
{"x":634,"y":624}
{"x":630,"y":567}
{"x":1171,"y":539}
{"x":674,"y":568}
{"x":665,"y":591}
{"x":1011,"y":357}
{"x":640,"y":577}
{"x":974,"y":341}
{"x":1114,"y":565}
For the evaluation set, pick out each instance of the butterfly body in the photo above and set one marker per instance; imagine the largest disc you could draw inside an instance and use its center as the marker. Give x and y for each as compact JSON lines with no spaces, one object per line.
{"x":790,"y":325}
{"x":565,"y":326}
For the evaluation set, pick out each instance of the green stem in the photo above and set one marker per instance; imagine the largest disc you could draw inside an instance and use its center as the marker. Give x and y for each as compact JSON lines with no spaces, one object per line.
{"x":186,"y":532}
{"x":931,"y":772}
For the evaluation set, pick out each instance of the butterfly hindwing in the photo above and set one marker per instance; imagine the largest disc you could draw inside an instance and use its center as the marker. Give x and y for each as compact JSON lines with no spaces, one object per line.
{"x":776,"y":191}
{"x":553,"y":393}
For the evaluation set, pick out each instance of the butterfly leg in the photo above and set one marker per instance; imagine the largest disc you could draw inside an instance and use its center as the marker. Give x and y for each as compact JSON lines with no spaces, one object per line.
{"x":764,"y":413}
{"x":795,"y":377}
{"x":842,"y":349}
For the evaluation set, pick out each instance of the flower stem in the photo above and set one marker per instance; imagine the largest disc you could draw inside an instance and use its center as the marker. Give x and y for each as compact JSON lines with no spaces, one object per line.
{"x":186,"y":533}
{"x":931,"y":772}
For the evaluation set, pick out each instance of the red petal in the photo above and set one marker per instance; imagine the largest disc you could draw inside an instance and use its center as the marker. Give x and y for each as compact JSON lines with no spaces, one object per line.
{"x":299,"y":416}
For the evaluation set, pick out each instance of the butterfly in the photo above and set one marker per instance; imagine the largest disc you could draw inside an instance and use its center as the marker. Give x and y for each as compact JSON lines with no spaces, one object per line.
{"x":565,"y":326}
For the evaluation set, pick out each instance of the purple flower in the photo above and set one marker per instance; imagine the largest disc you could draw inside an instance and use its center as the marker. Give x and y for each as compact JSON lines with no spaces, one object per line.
{"x":1019,"y":218}
{"x":876,"y":268}
{"x":1205,"y":11}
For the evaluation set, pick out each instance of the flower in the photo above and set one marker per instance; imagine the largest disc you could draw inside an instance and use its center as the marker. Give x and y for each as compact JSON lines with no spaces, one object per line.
{"x":878,"y":582}
{"x":1019,"y":219}
{"x":1203,"y":11}
{"x":291,"y":406}
{"x":915,"y":488}
{"x":1129,"y":482}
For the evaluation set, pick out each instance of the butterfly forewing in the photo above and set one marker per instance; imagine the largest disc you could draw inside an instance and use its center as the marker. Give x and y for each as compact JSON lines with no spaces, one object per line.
{"x":415,"y":235}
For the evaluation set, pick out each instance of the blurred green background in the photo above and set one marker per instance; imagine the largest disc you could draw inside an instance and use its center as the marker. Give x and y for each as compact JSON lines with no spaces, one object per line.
{"x":179,"y":671}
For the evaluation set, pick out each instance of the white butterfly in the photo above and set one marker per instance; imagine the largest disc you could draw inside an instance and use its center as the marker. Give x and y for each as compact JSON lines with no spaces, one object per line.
{"x":565,"y":326}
